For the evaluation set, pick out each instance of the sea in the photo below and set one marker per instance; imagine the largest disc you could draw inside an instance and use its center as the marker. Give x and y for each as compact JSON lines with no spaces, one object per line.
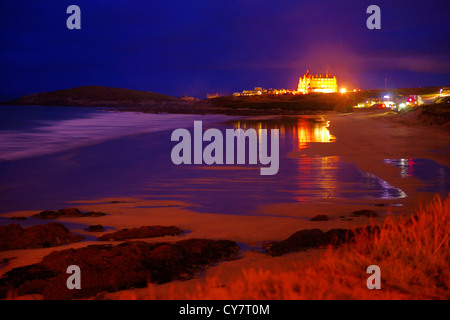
{"x":53,"y":156}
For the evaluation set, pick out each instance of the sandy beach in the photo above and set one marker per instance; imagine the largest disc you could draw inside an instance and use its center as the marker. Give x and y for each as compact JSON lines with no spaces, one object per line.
{"x":364,"y":138}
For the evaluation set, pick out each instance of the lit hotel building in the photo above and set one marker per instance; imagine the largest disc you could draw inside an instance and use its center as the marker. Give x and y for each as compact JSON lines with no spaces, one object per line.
{"x":319,"y":83}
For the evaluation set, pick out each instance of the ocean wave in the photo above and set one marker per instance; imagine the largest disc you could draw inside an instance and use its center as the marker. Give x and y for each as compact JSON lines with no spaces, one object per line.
{"x":55,"y":136}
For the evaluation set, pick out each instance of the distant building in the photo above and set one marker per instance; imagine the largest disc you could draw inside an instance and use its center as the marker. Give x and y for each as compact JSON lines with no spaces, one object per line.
{"x":212,"y":95}
{"x":319,"y":83}
{"x":258,"y":91}
{"x":186,"y":98}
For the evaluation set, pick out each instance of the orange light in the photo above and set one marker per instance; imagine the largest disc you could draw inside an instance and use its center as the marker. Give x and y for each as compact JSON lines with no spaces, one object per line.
{"x":343,"y":90}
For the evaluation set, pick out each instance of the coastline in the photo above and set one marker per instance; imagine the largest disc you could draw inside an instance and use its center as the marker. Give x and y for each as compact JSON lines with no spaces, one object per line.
{"x":375,"y":137}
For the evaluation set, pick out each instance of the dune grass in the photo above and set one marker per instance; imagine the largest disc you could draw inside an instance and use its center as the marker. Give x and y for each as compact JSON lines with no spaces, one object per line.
{"x":412,"y":252}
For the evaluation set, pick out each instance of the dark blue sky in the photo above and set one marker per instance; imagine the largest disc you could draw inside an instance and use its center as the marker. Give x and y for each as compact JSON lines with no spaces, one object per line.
{"x":206,"y":46}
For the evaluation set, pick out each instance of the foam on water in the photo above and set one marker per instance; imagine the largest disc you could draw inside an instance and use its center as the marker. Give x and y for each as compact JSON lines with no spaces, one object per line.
{"x":40,"y":137}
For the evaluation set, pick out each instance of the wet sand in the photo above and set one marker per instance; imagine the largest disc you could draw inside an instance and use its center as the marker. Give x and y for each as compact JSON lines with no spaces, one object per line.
{"x":363,"y":138}
{"x":366,"y":138}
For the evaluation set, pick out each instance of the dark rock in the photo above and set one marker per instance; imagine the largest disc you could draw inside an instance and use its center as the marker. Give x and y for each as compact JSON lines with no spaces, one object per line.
{"x":69,"y":212}
{"x":366,"y":213}
{"x":141,"y":233}
{"x":95,"y":228}
{"x":205,"y":251}
{"x":46,"y":214}
{"x":320,"y":217}
{"x":93,"y":214}
{"x":315,"y":238}
{"x":25,"y":280}
{"x":300,"y":240}
{"x":113,"y":268}
{"x":338,"y":237}
{"x":13,"y":236}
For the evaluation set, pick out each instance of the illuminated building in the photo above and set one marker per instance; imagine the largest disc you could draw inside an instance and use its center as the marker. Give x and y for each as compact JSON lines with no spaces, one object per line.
{"x":258,"y":91}
{"x":319,"y":83}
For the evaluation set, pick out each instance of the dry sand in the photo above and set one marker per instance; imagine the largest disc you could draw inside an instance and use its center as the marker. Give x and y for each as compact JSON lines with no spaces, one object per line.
{"x":364,"y":138}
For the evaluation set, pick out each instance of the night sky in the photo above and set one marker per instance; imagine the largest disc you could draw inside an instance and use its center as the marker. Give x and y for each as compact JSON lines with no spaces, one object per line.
{"x":197,"y":47}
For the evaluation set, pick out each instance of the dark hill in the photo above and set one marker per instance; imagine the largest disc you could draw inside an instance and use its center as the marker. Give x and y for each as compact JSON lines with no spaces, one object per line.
{"x":93,"y":96}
